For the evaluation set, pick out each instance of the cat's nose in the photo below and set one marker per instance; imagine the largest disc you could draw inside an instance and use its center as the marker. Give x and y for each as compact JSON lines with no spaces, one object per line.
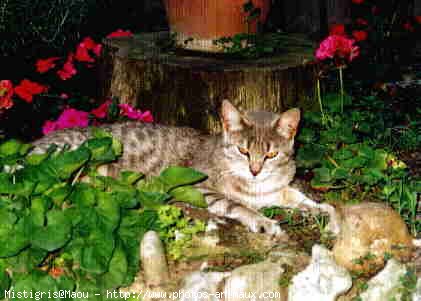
{"x":255,"y":168}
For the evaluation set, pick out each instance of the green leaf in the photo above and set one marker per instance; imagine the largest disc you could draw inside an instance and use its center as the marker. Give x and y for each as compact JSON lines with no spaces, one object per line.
{"x":153,"y":184}
{"x":10,"y":147}
{"x":37,"y":282}
{"x":306,"y":135}
{"x":340,"y":173}
{"x":13,"y":237}
{"x":55,"y":234}
{"x":66,"y":163}
{"x":130,"y":177}
{"x":310,"y":155}
{"x":83,"y":195}
{"x":117,"y":270}
{"x":4,"y":283}
{"x":108,"y":211}
{"x":153,"y":200}
{"x":101,"y":149}
{"x":323,"y":174}
{"x":97,"y":253}
{"x":189,"y":194}
{"x":177,"y":176}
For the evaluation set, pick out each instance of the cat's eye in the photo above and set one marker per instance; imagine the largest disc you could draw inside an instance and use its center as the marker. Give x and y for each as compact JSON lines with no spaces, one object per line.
{"x":271,"y":155}
{"x":243,"y":151}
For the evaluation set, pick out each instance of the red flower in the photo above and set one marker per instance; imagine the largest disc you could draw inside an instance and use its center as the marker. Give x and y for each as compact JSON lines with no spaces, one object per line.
{"x":339,"y":46}
{"x":357,"y":1}
{"x":27,"y":89}
{"x":102,"y":110}
{"x":6,"y":93}
{"x":43,"y":65}
{"x":337,"y":29}
{"x":88,"y":43}
{"x":120,"y":33}
{"x":68,"y":69}
{"x":82,"y":54}
{"x":361,"y":21}
{"x":97,"y":49}
{"x":408,"y":26}
{"x":417,"y":19}
{"x":360,"y":35}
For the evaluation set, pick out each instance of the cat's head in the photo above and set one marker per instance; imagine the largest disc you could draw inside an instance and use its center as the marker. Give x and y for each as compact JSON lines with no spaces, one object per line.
{"x":259,"y":142}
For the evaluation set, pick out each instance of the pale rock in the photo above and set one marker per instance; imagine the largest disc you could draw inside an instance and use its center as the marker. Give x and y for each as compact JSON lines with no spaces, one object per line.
{"x":322,"y":280}
{"x":249,"y":282}
{"x":201,"y":285}
{"x":154,"y":262}
{"x":385,"y":284}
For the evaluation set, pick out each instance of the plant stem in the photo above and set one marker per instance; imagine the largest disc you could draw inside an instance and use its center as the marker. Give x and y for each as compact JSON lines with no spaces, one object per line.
{"x":319,"y":98}
{"x":341,"y":83}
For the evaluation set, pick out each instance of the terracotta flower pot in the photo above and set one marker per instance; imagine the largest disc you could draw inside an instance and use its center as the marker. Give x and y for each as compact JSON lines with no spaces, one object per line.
{"x":207,"y":20}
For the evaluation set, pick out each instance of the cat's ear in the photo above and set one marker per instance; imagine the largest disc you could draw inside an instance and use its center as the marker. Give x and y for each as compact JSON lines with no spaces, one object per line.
{"x":287,"y":124}
{"x":232,"y":119}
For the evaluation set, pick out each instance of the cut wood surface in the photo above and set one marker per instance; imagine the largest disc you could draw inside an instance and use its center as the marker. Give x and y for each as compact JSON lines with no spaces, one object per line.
{"x":187,"y":88}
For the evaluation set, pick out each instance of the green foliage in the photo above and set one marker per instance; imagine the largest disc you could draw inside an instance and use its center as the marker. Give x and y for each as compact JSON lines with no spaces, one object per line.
{"x":59,"y":233}
{"x":348,"y":156}
{"x":176,"y":230}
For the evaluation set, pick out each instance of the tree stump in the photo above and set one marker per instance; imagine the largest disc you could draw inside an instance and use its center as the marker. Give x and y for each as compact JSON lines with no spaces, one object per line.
{"x":187,"y":89}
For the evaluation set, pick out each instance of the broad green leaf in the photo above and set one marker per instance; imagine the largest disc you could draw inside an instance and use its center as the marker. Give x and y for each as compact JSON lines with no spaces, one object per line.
{"x":177,"y":176}
{"x":189,"y":194}
{"x":4,"y":283}
{"x":66,"y":163}
{"x":117,"y":270}
{"x":130,"y":177}
{"x":356,"y":162}
{"x":10,"y":147}
{"x":310,"y":155}
{"x":13,"y":238}
{"x":97,"y":253}
{"x":153,"y":184}
{"x":108,"y":210}
{"x":340,"y":173}
{"x":58,"y":193}
{"x":306,"y":135}
{"x":55,"y":234}
{"x":152,"y":200}
{"x":39,"y":206}
{"x":101,"y":149}
{"x":126,"y":199}
{"x":37,"y":282}
{"x":323,"y":174}
{"x":83,"y":195}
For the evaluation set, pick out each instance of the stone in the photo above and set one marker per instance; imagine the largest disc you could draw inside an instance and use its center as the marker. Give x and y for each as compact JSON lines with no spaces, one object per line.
{"x":154,"y":262}
{"x":368,"y":232}
{"x":254,"y":282}
{"x":202,"y":286}
{"x":322,"y":280}
{"x":385,"y":285}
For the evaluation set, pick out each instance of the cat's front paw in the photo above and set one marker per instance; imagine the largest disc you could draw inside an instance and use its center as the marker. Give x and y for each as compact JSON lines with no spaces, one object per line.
{"x":268,"y":226}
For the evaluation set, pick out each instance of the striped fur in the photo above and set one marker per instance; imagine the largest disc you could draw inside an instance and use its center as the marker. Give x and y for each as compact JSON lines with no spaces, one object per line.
{"x":249,"y":165}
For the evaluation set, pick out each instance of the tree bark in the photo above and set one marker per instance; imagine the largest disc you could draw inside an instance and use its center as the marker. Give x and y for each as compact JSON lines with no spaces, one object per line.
{"x":187,"y":89}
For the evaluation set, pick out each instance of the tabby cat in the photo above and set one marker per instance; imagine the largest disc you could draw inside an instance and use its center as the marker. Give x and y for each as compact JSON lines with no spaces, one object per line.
{"x":249,"y":166}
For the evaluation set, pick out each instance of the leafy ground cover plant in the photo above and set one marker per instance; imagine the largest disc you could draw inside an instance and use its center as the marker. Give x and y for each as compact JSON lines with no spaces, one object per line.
{"x":346,"y":157}
{"x":58,"y":233}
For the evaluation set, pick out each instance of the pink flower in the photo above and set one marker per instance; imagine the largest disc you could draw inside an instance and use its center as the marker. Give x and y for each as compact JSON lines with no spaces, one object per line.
{"x":72,"y":118}
{"x":102,"y":110}
{"x":146,"y":117}
{"x":64,"y":96}
{"x":68,"y":69}
{"x":49,"y":126}
{"x":120,"y":33}
{"x":337,"y":45}
{"x":130,"y":112}
{"x":43,"y":65}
